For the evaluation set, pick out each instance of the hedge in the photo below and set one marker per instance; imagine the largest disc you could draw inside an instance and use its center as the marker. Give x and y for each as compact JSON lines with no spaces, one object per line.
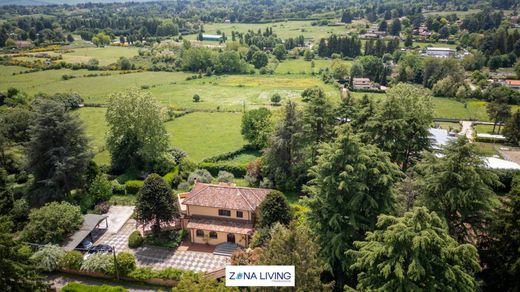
{"x":77,"y":287}
{"x":489,"y":140}
{"x":173,"y":177}
{"x":133,"y":186}
{"x":147,"y":273}
{"x":215,"y":167}
{"x":229,"y":155}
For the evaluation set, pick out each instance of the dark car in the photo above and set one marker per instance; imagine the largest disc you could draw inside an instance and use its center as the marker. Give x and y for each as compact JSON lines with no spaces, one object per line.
{"x":104,"y":248}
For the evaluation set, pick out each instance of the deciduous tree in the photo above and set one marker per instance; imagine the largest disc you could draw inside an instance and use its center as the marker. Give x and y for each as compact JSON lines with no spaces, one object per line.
{"x":256,"y":127}
{"x":274,"y":209}
{"x":136,"y":136}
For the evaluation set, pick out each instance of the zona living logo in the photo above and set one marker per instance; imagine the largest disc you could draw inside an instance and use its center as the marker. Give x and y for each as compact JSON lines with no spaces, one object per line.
{"x":269,"y":276}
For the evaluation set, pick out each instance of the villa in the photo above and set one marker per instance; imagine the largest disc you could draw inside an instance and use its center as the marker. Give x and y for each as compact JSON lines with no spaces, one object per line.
{"x":215,"y":214}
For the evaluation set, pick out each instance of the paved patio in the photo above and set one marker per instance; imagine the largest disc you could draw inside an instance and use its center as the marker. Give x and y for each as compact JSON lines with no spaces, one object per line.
{"x":187,"y":257}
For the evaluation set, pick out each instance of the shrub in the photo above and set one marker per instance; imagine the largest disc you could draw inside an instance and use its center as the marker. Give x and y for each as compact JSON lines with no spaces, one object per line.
{"x":52,"y":223}
{"x":276,"y":98}
{"x":99,"y":262}
{"x":224,"y":176}
{"x":125,"y":263}
{"x":101,"y":208}
{"x":48,"y":258}
{"x":77,"y":287}
{"x":172,"y":178}
{"x":170,"y":274}
{"x":72,"y":260}
{"x":196,"y":98}
{"x":214,"y":168}
{"x":183,"y":186}
{"x":100,"y":189}
{"x":135,"y":239}
{"x":133,"y":186}
{"x":117,"y":188}
{"x":143,"y":274}
{"x":201,"y":175}
{"x":274,"y":208}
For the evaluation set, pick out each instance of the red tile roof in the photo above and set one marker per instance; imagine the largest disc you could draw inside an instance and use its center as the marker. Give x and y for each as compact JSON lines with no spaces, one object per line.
{"x":513,"y":82}
{"x":226,"y":196}
{"x":220,"y":225}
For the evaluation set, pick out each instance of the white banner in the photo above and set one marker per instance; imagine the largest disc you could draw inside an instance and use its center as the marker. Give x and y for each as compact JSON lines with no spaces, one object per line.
{"x":268,"y":276}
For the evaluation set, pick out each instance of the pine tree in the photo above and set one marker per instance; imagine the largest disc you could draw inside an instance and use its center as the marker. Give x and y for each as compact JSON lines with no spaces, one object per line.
{"x":58,"y":152}
{"x":401,"y":122}
{"x":352,"y":183}
{"x":155,"y":203}
{"x":295,"y":245}
{"x":459,"y":187}
{"x":17,"y":273}
{"x":499,"y":249}
{"x":512,"y":129}
{"x":414,"y":253}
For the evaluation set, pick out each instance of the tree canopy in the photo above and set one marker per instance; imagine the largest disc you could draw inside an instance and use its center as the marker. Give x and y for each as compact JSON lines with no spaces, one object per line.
{"x":414,"y":253}
{"x":136,"y":137}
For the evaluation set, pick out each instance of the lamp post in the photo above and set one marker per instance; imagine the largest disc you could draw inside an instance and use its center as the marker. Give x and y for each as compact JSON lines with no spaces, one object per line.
{"x":115,"y":262}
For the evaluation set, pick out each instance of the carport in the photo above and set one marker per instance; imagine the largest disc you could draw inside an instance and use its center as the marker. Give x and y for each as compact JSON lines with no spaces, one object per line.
{"x":90,"y":222}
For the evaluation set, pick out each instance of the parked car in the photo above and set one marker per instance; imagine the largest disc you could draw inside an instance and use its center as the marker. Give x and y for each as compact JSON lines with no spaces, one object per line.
{"x":103,"y":248}
{"x":85,"y":244}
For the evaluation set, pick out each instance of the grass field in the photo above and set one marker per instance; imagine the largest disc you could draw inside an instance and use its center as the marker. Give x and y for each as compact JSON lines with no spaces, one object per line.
{"x":203,"y":135}
{"x":300,"y":66}
{"x":487,"y":129}
{"x":284,"y":30}
{"x":105,"y":56}
{"x":199,"y":134}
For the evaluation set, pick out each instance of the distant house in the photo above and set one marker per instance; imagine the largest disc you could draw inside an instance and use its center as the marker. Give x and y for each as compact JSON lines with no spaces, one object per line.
{"x":212,"y":37}
{"x":361,"y":83}
{"x":439,"y":52}
{"x":215,"y":214}
{"x":513,"y":84}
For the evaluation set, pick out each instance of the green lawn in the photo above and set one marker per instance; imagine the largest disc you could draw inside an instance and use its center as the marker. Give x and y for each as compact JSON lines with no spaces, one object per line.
{"x":449,"y":126}
{"x":203,"y":135}
{"x":487,"y":129}
{"x":300,"y":66}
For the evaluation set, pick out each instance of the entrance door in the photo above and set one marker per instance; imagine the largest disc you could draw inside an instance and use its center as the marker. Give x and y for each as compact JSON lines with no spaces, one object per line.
{"x":231,"y":238}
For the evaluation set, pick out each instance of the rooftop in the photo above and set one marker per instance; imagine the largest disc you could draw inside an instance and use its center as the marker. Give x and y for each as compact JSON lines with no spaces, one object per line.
{"x":513,"y":82}
{"x":226,"y":196}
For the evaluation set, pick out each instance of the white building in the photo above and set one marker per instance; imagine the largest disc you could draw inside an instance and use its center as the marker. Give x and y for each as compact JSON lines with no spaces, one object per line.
{"x":439,"y":52}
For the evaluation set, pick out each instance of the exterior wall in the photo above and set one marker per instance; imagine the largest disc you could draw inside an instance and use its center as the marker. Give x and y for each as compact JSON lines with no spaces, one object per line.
{"x":240,"y":239}
{"x":213,"y":212}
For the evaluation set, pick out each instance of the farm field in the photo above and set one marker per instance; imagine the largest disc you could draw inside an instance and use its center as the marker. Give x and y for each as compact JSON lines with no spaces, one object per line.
{"x":300,"y":66}
{"x":199,"y":134}
{"x":105,"y":56}
{"x":285,"y":29}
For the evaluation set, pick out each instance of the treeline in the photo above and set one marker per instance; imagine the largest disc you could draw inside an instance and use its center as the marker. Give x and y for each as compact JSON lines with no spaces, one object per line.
{"x":345,"y":46}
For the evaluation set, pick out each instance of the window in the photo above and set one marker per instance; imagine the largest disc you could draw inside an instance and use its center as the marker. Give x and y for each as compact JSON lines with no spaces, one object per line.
{"x":224,"y":213}
{"x":200,"y":233}
{"x":240,"y":214}
{"x":213,"y":234}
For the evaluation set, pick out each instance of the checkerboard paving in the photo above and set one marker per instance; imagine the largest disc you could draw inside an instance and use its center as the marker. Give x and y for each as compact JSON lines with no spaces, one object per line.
{"x":160,"y":258}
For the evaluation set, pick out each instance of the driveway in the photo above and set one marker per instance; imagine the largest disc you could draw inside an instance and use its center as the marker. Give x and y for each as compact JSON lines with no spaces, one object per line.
{"x":118,"y":216}
{"x":467,"y":129}
{"x":160,"y":258}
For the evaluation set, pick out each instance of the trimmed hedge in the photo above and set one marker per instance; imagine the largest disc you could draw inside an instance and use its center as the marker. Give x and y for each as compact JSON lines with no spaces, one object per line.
{"x":147,"y":273}
{"x":229,"y":155}
{"x":133,"y":186}
{"x":215,"y":167}
{"x":173,"y":177}
{"x":77,"y":287}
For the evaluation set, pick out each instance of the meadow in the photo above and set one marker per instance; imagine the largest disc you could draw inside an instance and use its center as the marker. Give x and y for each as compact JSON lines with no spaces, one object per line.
{"x":200,"y":134}
{"x":105,"y":56}
{"x":284,"y":29}
{"x":300,"y":66}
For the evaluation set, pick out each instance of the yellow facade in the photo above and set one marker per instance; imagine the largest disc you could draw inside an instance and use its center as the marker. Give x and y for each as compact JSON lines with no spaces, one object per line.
{"x":222,"y":237}
{"x":213,"y":212}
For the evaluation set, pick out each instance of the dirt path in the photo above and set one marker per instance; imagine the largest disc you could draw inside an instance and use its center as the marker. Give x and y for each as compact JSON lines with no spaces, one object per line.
{"x":467,"y":129}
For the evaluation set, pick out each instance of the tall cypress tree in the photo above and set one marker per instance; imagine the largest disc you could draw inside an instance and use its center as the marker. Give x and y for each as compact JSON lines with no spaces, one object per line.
{"x":352,"y":183}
